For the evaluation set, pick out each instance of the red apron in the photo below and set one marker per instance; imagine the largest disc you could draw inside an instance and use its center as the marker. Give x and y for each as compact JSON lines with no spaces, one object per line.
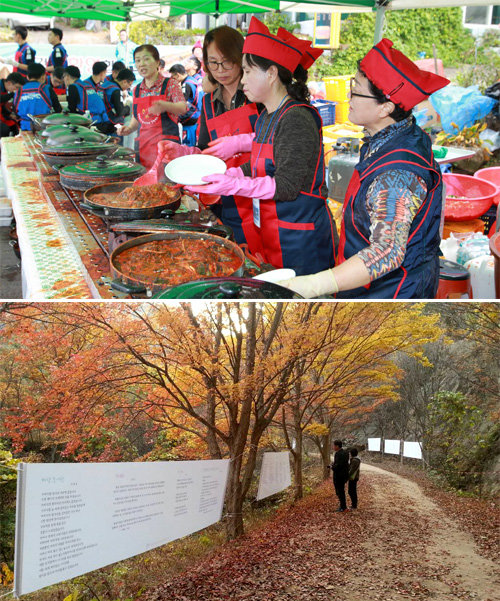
{"x":232,"y":123}
{"x":152,"y":130}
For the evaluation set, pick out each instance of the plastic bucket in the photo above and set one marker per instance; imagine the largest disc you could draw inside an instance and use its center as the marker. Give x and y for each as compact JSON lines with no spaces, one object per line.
{"x":467,"y":197}
{"x":337,"y":87}
{"x":482,"y":276}
{"x":342,"y":112}
{"x":492,"y":175}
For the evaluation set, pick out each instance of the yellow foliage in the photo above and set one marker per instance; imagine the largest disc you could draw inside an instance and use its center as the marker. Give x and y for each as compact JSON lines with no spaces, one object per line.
{"x":6,"y":575}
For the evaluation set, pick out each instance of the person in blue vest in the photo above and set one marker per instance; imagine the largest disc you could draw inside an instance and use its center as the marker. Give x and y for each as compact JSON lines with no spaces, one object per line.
{"x":285,"y":176}
{"x":95,"y":98}
{"x":191,"y":93}
{"x":36,"y":97}
{"x":112,"y":96}
{"x":25,"y":54}
{"x":390,"y":236}
{"x":58,"y":57}
{"x":116,"y":67}
{"x":83,"y":96}
{"x":56,"y":80}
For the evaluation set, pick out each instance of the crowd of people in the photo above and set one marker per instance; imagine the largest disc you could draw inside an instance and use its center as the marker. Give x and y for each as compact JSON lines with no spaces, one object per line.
{"x":246,"y":101}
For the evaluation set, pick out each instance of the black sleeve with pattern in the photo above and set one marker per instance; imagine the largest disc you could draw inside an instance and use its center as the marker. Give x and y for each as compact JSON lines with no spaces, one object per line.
{"x":296,"y":145}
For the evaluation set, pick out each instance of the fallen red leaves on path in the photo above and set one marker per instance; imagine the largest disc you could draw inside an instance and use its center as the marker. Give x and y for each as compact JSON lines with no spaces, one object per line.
{"x":308,"y":552}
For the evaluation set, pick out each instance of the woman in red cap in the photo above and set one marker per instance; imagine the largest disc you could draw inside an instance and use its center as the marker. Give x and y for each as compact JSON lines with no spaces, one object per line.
{"x":389,"y":242}
{"x":226,"y":111}
{"x":285,"y":176}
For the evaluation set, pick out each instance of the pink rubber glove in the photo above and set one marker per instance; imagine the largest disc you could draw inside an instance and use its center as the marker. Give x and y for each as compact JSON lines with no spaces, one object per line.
{"x":235,"y":172}
{"x":226,"y":147}
{"x":172,"y":150}
{"x":228,"y":185}
{"x":167,"y":150}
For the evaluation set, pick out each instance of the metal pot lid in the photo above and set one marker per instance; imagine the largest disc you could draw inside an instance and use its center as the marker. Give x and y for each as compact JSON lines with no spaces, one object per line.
{"x":78,"y":148}
{"x":228,"y":288}
{"x":70,"y":118}
{"x":103,"y":167}
{"x":73,"y":133}
{"x":52,"y":130}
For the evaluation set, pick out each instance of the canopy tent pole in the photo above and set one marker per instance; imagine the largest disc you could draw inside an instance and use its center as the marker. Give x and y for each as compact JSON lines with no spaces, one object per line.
{"x":380,"y":20}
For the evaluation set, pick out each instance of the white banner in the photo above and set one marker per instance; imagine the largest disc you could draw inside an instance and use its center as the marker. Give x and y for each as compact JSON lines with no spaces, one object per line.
{"x":274,"y":474}
{"x":76,"y":517}
{"x":412,"y":449}
{"x":392,"y":446}
{"x":374,"y":444}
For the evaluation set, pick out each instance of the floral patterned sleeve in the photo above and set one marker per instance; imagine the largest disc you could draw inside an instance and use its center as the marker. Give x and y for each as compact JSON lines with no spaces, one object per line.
{"x":392,"y":201}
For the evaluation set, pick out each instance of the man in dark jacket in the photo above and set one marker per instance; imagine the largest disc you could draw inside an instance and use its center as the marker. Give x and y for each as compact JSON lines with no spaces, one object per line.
{"x":340,"y":470}
{"x":352,"y":486}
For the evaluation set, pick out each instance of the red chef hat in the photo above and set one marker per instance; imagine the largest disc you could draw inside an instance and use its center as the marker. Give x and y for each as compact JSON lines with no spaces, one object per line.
{"x":309,"y":54}
{"x":398,"y":77}
{"x":261,"y":42}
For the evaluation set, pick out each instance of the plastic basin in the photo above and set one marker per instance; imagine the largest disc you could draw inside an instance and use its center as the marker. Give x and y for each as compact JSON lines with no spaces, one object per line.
{"x":492,"y":175}
{"x":467,"y":197}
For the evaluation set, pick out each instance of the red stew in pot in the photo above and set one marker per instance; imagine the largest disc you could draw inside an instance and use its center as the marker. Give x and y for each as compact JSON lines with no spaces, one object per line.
{"x":176,"y":261}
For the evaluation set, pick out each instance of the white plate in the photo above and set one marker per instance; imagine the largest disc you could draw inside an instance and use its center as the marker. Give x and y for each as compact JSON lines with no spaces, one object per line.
{"x":276,"y":275}
{"x":190,"y":169}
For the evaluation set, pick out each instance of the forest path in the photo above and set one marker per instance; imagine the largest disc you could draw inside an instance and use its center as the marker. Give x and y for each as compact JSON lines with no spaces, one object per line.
{"x":398,"y":545}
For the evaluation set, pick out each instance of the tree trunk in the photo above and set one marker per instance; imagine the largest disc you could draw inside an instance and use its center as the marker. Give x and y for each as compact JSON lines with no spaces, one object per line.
{"x":297,"y":467}
{"x":234,"y":501}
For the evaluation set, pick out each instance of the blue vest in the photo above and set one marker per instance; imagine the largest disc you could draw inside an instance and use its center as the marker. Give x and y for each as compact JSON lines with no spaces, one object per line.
{"x":194,"y":110}
{"x":418,"y":276}
{"x":108,"y":87}
{"x":61,"y":50}
{"x":32,"y":99}
{"x":95,"y":102}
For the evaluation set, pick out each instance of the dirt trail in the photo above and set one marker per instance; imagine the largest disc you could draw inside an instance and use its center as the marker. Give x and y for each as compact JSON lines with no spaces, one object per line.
{"x":398,"y":545}
{"x":456,"y":570}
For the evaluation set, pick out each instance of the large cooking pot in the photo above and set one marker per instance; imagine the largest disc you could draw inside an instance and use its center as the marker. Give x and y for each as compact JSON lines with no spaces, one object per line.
{"x":57,"y":135}
{"x":79,"y":152}
{"x":151,"y":263}
{"x":229,"y":288}
{"x":97,"y":203}
{"x":52,"y":130}
{"x":40,"y":122}
{"x":103,"y":170}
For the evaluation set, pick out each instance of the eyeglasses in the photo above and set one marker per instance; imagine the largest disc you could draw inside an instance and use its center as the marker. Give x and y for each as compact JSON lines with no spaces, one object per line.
{"x":352,"y":84}
{"x":226,"y":65}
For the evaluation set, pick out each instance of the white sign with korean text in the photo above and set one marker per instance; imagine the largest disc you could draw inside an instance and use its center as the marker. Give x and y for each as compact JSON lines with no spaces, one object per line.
{"x":392,"y":446}
{"x":374,"y":444}
{"x":274,"y":474}
{"x":412,"y":449}
{"x":76,"y":517}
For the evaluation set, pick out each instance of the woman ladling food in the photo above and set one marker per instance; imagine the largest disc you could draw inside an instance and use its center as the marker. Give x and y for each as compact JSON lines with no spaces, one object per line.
{"x":225,"y":111}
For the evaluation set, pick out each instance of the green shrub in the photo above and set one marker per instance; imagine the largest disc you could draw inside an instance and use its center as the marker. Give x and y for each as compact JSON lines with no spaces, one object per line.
{"x":412,"y":31}
{"x":162,"y":31}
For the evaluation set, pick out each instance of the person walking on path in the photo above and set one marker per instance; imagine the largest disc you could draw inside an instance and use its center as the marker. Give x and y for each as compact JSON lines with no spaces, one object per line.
{"x":352,"y":485}
{"x":340,"y":471}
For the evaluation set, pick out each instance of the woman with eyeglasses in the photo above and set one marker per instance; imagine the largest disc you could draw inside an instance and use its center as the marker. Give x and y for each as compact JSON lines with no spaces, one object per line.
{"x":285,"y":176}
{"x":390,"y":235}
{"x":158,"y":102}
{"x":226,"y":111}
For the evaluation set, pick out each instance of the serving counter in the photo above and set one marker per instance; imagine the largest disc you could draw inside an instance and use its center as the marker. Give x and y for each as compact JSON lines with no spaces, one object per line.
{"x":63,"y":250}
